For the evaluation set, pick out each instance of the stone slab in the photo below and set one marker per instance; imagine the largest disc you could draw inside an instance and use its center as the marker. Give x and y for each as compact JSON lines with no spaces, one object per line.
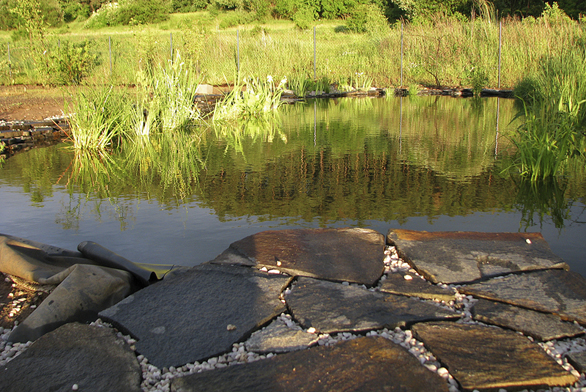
{"x":459,"y":257}
{"x":350,"y":254}
{"x":364,"y":364}
{"x":405,"y":283}
{"x":578,"y":360}
{"x":333,"y":307}
{"x":277,"y":337}
{"x":199,"y":313}
{"x":91,"y":357}
{"x":541,"y":326}
{"x":489,"y":358}
{"x":554,"y":291}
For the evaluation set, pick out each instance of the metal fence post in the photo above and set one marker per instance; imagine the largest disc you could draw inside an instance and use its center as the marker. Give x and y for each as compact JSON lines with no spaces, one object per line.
{"x":110,"y":53}
{"x":9,"y":62}
{"x":314,"y":56}
{"x":500,"y":46}
{"x":171,"y":45}
{"x":401,"y":54}
{"x":237,"y":51}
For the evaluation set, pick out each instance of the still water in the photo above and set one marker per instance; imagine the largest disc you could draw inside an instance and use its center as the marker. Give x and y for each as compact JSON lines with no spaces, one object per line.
{"x":425,"y":163}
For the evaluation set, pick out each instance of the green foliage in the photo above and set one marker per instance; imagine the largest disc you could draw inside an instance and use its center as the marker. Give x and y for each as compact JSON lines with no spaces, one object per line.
{"x":98,"y":119}
{"x":249,"y":98}
{"x":74,"y":61}
{"x":478,"y":79}
{"x":130,"y":12}
{"x":30,"y":19}
{"x":366,"y":18}
{"x":304,"y":18}
{"x":188,"y":5}
{"x":555,"y":116}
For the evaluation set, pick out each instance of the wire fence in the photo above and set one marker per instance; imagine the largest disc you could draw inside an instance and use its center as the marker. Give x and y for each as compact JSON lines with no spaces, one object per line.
{"x":496,"y":54}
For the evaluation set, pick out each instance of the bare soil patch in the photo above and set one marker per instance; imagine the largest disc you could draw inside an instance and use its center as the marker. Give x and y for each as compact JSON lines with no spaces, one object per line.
{"x":32,"y":103}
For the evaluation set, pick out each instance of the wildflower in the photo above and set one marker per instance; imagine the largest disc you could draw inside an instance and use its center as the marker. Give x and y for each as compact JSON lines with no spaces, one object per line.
{"x":269,"y":79}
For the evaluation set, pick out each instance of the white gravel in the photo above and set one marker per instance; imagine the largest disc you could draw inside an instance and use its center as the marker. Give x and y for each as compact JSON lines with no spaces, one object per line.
{"x":155,"y":379}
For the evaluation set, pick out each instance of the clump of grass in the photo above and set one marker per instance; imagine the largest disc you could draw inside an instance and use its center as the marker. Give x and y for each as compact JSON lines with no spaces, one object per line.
{"x":98,"y":119}
{"x":554,"y":102}
{"x":250,"y":98}
{"x":166,"y":100}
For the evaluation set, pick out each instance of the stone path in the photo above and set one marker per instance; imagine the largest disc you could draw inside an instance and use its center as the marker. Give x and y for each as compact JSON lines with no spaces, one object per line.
{"x":333,"y":309}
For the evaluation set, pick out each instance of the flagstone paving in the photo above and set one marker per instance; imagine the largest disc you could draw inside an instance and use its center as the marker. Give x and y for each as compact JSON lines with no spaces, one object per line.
{"x":555,"y":291}
{"x":351,"y":255}
{"x":363,"y":364}
{"x":541,"y":326}
{"x":199,"y":313}
{"x":481,"y":357}
{"x":220,"y":325}
{"x":331,"y":307}
{"x":458,"y":257}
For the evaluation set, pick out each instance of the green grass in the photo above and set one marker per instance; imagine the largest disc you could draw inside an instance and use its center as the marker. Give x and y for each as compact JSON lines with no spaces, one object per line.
{"x":440,"y":54}
{"x":553,"y":101}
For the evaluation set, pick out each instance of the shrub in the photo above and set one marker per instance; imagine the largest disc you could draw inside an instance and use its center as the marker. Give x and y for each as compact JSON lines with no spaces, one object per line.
{"x":74,"y":61}
{"x":304,"y":18}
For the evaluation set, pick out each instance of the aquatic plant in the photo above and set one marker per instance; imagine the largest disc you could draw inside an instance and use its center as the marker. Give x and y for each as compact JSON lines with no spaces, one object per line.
{"x":98,"y":118}
{"x":250,"y":98}
{"x":553,"y":106}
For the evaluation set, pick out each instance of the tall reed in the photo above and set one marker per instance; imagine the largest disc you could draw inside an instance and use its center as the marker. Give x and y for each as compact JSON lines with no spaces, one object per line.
{"x":554,"y":111}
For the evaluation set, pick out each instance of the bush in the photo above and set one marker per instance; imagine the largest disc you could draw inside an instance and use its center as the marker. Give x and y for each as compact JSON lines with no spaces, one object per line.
{"x":304,"y":18}
{"x":366,"y":18}
{"x":75,"y":61}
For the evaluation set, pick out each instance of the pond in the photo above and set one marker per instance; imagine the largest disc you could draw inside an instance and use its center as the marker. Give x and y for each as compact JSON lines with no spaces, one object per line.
{"x":421,"y":163}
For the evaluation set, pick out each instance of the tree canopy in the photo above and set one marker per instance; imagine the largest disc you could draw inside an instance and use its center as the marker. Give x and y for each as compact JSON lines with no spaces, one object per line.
{"x":58,"y":12}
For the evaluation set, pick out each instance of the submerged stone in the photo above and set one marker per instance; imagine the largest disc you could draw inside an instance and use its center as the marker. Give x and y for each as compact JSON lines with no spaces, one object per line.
{"x":199,"y":313}
{"x":351,"y":254}
{"x":363,"y":364}
{"x":279,"y":338}
{"x":458,"y":257}
{"x":332,"y":307}
{"x":405,"y":283}
{"x":539,"y":325}
{"x":553,"y":291}
{"x":92,"y":358}
{"x":481,"y":357}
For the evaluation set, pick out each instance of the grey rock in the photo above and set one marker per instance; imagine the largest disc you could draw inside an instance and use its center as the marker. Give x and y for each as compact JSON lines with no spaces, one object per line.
{"x":364,"y":364}
{"x":490,"y":358}
{"x":539,"y":325}
{"x":91,"y":357}
{"x":458,"y":257}
{"x":554,"y":291}
{"x":396,"y":283}
{"x":185,"y":319}
{"x":352,"y":254}
{"x":332,"y":307}
{"x":279,"y":338}
{"x":578,"y":360}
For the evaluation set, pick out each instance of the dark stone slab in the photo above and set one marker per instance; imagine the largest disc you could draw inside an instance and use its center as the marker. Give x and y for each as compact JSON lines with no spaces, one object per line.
{"x":279,"y":338}
{"x":199,"y":313}
{"x":332,"y":307}
{"x":364,"y":364}
{"x":91,"y":357}
{"x":541,"y":326}
{"x":578,"y":360}
{"x":405,"y":283}
{"x":352,"y":254}
{"x":482,"y":357}
{"x":458,"y":257}
{"x":554,"y":291}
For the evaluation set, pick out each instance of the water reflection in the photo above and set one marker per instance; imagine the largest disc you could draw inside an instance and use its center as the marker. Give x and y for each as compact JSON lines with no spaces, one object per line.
{"x":344,"y":162}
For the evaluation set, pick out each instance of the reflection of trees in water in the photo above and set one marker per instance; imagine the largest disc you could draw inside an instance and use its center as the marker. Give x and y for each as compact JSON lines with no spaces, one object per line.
{"x":347,"y":160}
